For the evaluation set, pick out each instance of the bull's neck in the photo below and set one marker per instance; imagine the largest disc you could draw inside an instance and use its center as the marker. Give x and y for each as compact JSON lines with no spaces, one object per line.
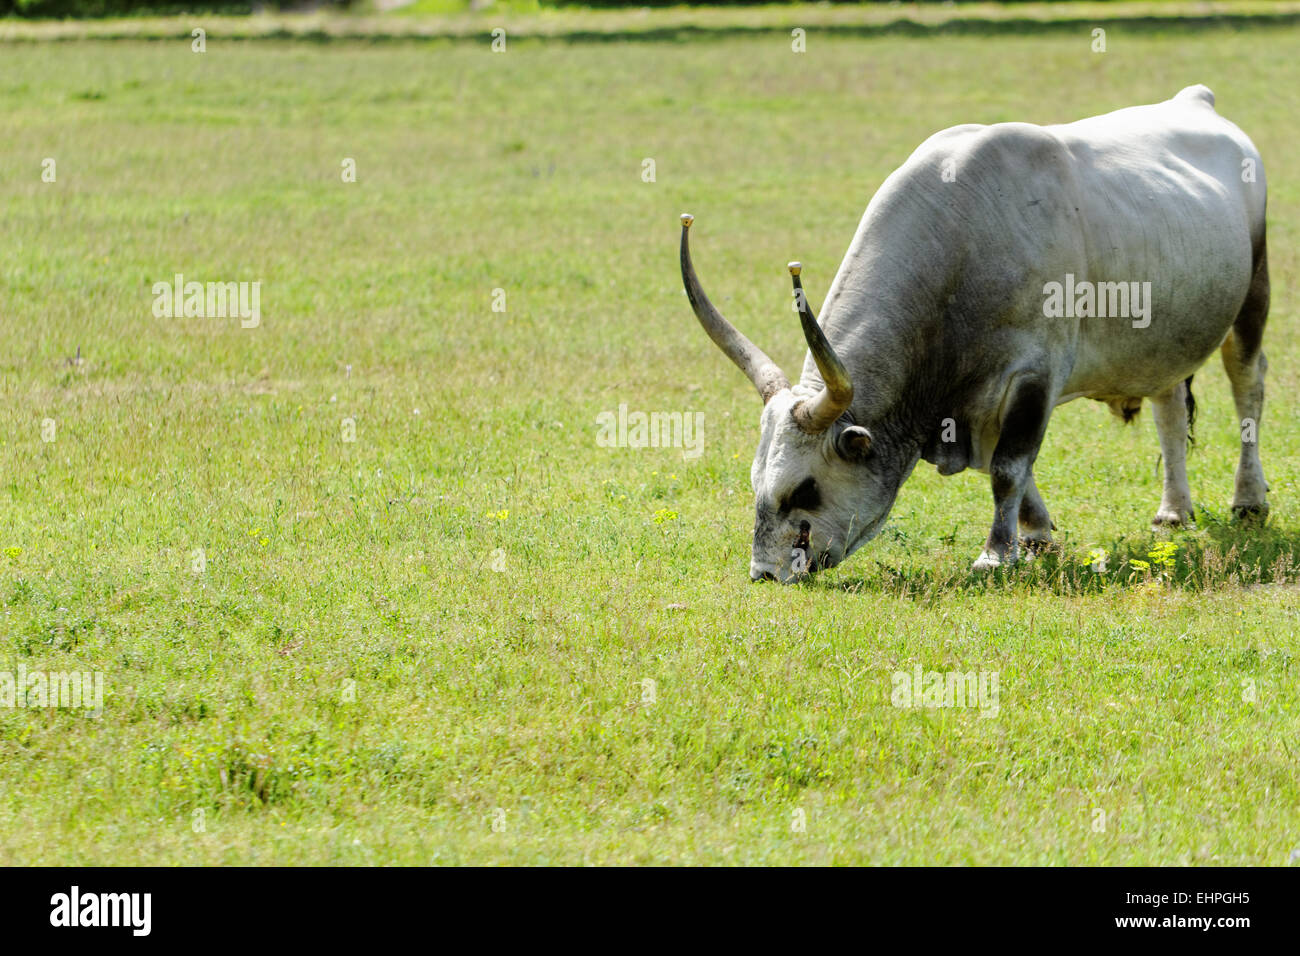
{"x":887,"y":334}
{"x":884,"y":311}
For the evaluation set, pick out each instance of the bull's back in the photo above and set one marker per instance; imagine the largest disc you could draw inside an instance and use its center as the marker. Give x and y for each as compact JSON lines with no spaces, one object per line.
{"x":1169,"y":194}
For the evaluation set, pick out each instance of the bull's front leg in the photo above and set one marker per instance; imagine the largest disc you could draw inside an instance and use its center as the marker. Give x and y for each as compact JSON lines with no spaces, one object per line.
{"x":1036,"y":525}
{"x":1028,"y":407}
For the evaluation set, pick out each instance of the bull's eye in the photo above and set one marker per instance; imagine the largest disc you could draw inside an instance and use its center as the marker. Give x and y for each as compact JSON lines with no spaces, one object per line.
{"x":807,"y":497}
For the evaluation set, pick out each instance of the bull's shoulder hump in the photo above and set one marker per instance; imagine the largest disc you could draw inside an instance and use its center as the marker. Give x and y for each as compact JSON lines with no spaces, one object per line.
{"x":970,"y":141}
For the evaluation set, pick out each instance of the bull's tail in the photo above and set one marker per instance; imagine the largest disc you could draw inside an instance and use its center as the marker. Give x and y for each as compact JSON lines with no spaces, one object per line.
{"x":1191,"y":412}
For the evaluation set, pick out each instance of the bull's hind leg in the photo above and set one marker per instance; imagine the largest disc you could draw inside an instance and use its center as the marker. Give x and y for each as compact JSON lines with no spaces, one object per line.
{"x":1243,"y":358}
{"x":1171,"y":412}
{"x":1036,"y":525}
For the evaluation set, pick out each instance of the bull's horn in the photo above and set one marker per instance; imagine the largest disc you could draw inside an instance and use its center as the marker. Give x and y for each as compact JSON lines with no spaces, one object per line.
{"x":760,"y":369}
{"x":820,"y":412}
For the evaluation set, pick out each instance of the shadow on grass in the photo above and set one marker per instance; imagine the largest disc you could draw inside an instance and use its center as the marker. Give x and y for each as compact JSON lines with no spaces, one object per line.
{"x":678,"y":33}
{"x":957,"y":27}
{"x":1217,"y":554}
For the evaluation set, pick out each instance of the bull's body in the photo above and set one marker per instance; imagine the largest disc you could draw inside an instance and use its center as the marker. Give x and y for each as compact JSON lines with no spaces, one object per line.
{"x":938,"y":315}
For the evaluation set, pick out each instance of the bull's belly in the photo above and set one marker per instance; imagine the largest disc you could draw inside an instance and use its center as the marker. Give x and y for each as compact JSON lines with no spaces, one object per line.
{"x":1114,"y":360}
{"x":1110,"y":372}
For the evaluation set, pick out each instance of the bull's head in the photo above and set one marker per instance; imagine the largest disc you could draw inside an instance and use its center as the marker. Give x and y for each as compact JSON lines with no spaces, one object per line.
{"x":819,"y":491}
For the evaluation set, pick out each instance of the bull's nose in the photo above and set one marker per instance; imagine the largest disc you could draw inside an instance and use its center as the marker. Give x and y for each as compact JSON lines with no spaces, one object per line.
{"x":755,"y":576}
{"x":761,"y":571}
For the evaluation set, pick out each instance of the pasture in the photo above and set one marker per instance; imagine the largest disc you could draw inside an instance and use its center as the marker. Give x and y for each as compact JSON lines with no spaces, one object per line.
{"x":461,"y":630}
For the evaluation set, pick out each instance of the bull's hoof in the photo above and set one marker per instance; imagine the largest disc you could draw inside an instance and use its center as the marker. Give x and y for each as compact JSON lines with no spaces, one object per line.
{"x":1033,"y":547}
{"x":1171,"y":520}
{"x":989,"y":560}
{"x":1250,"y":514}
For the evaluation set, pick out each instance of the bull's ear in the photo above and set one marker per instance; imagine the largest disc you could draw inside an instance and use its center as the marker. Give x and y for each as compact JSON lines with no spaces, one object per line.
{"x":853,"y":442}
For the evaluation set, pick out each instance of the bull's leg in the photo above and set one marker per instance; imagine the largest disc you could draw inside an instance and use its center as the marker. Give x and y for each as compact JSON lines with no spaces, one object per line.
{"x":1247,"y":378}
{"x":1243,"y":358}
{"x":1171,"y":415}
{"x":1036,"y":525}
{"x":1012,"y":468}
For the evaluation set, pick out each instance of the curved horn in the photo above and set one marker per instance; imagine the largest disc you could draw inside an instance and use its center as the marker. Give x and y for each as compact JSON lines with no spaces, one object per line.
{"x":820,"y":412}
{"x":760,"y":369}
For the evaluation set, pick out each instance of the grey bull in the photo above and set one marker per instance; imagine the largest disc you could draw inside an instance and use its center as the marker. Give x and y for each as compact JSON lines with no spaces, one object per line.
{"x":999,"y":272}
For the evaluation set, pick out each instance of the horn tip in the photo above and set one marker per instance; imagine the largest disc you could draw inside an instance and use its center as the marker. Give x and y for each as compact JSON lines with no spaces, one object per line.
{"x":794,"y":268}
{"x":687,"y":219}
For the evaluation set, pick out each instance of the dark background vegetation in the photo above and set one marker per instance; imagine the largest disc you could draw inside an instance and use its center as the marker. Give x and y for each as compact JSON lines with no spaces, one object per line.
{"x":121,"y":8}
{"x":110,"y":8}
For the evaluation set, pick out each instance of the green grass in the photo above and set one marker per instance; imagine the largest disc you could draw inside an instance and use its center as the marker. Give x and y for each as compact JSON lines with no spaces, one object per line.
{"x":349,"y":680}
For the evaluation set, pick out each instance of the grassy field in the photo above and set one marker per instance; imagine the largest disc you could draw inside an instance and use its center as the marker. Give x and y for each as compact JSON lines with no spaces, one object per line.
{"x":472,"y":635}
